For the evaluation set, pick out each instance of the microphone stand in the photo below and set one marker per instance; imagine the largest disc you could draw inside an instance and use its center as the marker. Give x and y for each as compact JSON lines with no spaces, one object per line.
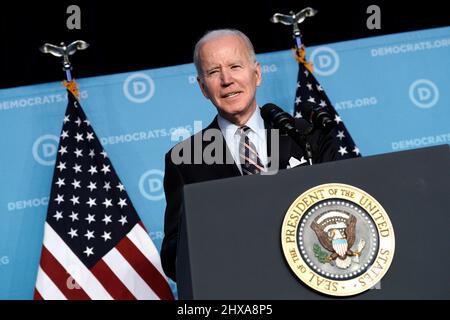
{"x":301,"y":141}
{"x":306,"y":146}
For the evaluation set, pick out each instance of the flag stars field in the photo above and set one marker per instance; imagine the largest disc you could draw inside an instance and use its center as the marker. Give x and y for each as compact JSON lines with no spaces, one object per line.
{"x":309,"y":89}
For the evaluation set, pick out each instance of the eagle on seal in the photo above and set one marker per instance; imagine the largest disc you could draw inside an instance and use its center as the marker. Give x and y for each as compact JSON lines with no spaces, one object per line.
{"x":336,"y":232}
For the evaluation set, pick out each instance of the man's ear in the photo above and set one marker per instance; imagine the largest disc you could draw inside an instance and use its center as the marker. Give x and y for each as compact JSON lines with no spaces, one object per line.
{"x":258,"y":73}
{"x":203,"y":87}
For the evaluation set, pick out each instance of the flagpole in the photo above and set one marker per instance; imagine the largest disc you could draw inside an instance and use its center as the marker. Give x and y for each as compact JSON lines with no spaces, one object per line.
{"x":67,"y":67}
{"x":295,"y":19}
{"x":296,"y":34}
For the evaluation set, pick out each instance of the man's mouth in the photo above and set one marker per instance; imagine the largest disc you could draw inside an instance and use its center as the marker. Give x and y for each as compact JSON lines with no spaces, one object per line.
{"x":231,"y":94}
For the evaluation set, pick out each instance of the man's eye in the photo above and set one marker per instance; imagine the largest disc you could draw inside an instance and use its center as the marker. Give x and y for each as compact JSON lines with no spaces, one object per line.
{"x":235,"y":67}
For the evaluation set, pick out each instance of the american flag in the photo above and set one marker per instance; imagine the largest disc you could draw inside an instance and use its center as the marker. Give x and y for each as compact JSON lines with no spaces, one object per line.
{"x":95,"y":246}
{"x":309,"y":89}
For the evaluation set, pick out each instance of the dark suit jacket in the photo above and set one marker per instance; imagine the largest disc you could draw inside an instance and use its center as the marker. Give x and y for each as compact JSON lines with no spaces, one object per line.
{"x":176,"y":176}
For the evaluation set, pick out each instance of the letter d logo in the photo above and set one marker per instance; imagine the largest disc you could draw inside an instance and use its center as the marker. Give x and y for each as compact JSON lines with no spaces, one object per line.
{"x":424,"y":93}
{"x":325,"y":60}
{"x":139,"y":88}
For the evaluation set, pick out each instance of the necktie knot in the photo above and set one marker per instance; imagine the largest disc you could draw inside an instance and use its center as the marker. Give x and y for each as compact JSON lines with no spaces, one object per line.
{"x":244,"y":130}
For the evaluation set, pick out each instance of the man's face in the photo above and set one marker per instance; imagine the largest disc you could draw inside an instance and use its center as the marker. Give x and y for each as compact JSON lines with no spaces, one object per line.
{"x":229,"y":78}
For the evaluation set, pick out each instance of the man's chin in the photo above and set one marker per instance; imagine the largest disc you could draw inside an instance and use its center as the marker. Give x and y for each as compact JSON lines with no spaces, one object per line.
{"x":236,"y":109}
{"x":236,"y":115}
{"x":231,"y":112}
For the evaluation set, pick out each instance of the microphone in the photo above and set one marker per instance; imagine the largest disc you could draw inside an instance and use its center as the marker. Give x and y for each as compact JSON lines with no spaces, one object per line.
{"x":279,"y":119}
{"x":318,"y":116}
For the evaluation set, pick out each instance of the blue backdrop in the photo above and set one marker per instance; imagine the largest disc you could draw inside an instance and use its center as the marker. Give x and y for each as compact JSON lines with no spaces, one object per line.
{"x":391,"y":91}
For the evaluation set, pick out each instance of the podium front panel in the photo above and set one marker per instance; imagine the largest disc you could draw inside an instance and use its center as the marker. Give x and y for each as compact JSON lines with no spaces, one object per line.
{"x":230,"y":239}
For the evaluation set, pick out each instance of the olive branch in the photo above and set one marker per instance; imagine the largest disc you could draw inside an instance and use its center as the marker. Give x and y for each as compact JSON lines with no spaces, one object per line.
{"x":321,"y":255}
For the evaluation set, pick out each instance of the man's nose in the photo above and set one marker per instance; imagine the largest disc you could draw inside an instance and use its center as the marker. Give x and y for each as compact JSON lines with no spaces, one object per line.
{"x":226,"y":78}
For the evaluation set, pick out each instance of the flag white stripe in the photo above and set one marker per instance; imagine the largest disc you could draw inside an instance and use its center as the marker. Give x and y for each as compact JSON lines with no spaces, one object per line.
{"x":47,"y":289}
{"x":142,"y":241}
{"x":129,"y":277}
{"x":82,"y":275}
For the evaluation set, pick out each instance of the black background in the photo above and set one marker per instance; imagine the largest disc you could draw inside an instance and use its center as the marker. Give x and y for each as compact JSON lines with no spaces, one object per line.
{"x":134,"y":35}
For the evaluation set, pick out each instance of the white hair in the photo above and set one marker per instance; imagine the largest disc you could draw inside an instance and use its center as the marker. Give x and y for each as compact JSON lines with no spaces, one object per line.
{"x":214,"y":34}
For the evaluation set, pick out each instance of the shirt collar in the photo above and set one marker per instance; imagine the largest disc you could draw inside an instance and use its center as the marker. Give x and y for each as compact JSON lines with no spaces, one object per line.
{"x":255,"y":123}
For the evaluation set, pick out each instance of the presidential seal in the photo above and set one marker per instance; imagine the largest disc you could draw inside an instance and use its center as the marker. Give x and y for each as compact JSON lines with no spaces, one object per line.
{"x":337,"y":239}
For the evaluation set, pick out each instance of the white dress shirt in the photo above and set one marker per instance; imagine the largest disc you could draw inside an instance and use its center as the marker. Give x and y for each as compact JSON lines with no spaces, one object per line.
{"x":256,"y":134}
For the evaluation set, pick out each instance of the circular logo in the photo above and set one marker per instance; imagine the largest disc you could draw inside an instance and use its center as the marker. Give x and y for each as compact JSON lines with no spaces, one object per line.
{"x":325,"y":61}
{"x":179,"y":134}
{"x":151,"y":185}
{"x":44,"y":149}
{"x":423,"y":93}
{"x":337,"y":239}
{"x":139,"y":88}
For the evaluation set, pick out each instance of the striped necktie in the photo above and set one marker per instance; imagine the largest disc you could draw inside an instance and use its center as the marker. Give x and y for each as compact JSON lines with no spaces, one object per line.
{"x":250,"y":162}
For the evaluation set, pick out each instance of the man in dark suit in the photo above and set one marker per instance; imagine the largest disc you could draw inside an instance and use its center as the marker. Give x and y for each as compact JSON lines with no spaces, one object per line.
{"x":228,"y":75}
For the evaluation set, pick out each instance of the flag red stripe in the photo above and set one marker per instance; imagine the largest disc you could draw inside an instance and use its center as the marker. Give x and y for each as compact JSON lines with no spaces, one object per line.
{"x":58,"y":274}
{"x":111,"y":282}
{"x":145,"y":268}
{"x":37,"y":295}
{"x":142,"y":225}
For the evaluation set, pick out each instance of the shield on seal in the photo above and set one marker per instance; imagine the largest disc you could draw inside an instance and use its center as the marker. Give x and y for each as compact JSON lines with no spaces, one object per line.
{"x":340,"y":246}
